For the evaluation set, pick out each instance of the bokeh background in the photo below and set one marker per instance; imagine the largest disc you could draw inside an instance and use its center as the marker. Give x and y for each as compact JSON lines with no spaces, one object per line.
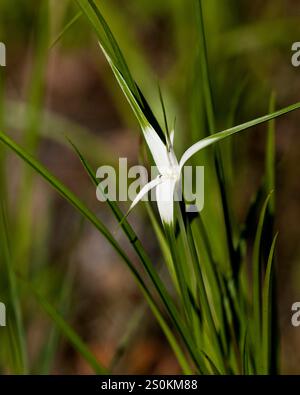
{"x":50,"y":91}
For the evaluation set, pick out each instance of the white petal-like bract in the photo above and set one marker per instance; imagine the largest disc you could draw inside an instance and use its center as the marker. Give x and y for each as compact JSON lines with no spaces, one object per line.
{"x":150,"y":185}
{"x":157,"y":148}
{"x":165,"y":200}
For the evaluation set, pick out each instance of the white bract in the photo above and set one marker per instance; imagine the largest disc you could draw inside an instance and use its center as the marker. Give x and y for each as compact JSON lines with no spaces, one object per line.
{"x":168,"y":182}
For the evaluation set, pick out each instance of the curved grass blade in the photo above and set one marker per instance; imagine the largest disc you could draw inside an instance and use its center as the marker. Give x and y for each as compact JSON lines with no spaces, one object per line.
{"x":257,"y":288}
{"x":245,"y":353}
{"x":212,"y":365}
{"x":207,"y":90}
{"x":215,"y":138}
{"x":267,"y":311}
{"x":68,"y":26}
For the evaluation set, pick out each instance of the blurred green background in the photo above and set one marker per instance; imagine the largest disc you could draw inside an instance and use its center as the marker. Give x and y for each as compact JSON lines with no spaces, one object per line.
{"x":52,"y":89}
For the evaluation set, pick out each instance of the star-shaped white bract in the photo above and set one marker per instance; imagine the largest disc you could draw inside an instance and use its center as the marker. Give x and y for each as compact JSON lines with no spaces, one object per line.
{"x":168,"y":182}
{"x":169,"y":174}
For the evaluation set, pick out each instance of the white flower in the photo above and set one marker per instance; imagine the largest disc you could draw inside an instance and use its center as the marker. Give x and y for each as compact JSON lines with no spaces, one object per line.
{"x":168,"y":182}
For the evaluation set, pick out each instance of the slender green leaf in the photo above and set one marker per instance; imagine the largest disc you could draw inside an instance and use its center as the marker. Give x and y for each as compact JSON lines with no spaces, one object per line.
{"x":31,"y":138}
{"x":215,"y":138}
{"x":267,"y":311}
{"x":207,"y":91}
{"x":66,"y":28}
{"x":257,"y":284}
{"x":17,"y":327}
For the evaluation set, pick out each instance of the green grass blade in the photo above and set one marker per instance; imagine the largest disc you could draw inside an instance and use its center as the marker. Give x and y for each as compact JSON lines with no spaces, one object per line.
{"x":267,"y":312}
{"x":257,"y":286}
{"x":215,"y":370}
{"x":66,"y":28}
{"x":163,"y":107}
{"x":207,"y":91}
{"x":36,"y":90}
{"x":18,"y":331}
{"x":245,"y":353}
{"x":31,"y":138}
{"x":215,"y":138}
